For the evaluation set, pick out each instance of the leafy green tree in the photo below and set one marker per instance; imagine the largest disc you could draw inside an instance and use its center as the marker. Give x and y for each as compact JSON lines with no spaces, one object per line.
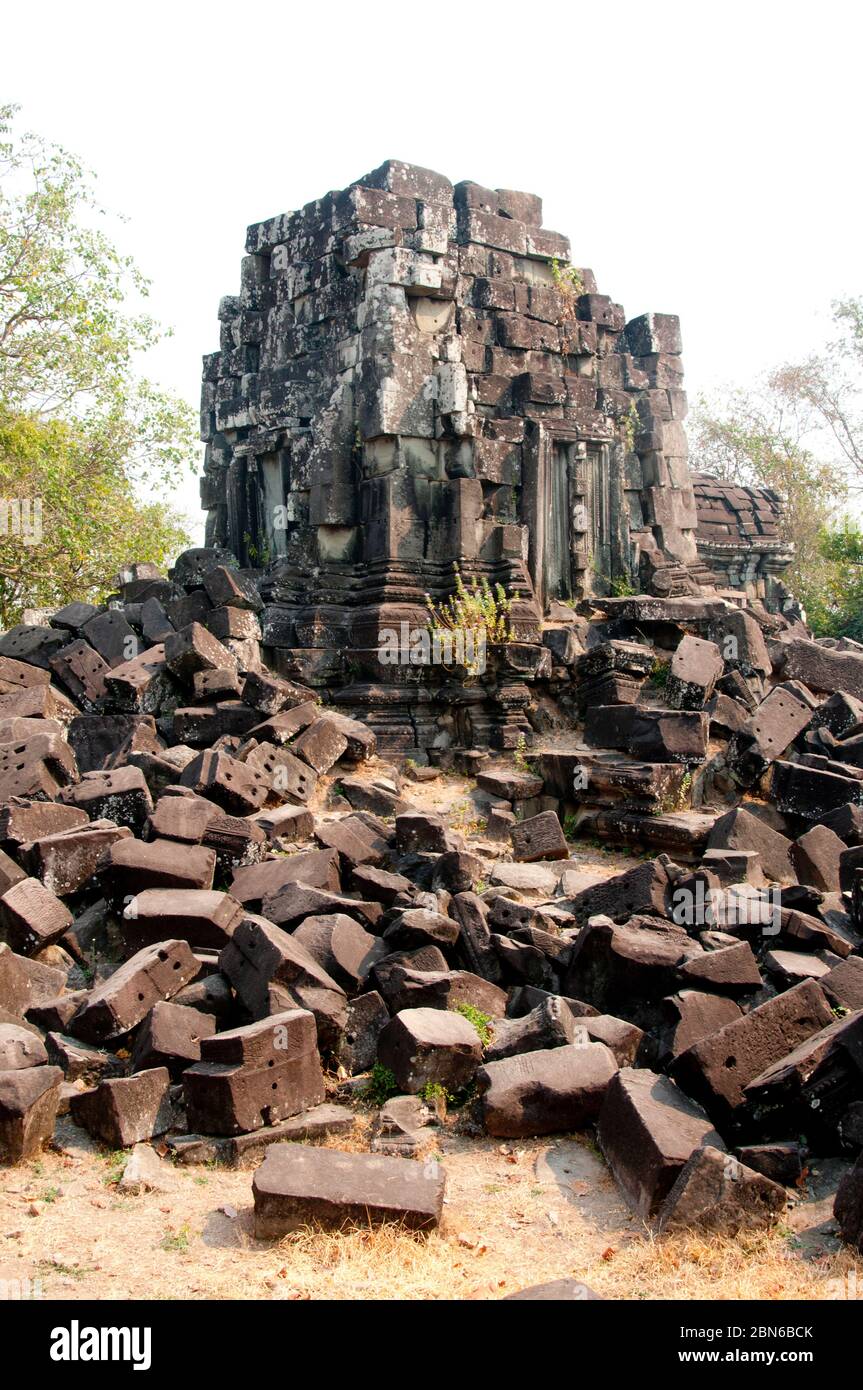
{"x":80,"y":428}
{"x":799,"y":431}
{"x":86,"y":522}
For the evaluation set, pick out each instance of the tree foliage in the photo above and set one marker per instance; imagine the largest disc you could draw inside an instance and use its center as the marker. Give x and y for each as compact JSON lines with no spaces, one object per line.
{"x":89,"y":522}
{"x":79,"y":426}
{"x":799,"y":431}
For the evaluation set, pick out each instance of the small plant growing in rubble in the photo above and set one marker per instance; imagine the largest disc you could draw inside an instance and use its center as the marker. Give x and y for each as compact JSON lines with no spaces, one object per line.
{"x":382,"y":1085}
{"x":481,"y":1022}
{"x":474,"y":607}
{"x":570,"y":286}
{"x":520,"y":756}
{"x":433,"y":1093}
{"x":659,"y":673}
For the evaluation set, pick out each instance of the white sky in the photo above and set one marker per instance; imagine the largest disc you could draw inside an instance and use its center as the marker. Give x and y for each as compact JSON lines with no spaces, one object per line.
{"x":703,"y":159}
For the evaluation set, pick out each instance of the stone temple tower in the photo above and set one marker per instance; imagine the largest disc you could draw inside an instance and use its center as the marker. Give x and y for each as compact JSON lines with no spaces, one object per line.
{"x":414,"y":376}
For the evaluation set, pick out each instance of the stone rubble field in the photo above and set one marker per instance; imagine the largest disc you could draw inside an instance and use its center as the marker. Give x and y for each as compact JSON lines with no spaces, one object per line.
{"x":247,"y":961}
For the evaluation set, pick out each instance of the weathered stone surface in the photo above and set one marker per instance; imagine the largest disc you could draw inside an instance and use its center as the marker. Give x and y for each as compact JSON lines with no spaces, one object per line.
{"x":296,"y":1186}
{"x":717,"y":1069}
{"x":848,"y":1206}
{"x":550,"y":1024}
{"x":816,"y":856}
{"x":200,"y":916}
{"x":430,"y":1047}
{"x":19,"y":1048}
{"x":545,"y":1092}
{"x":32,"y":917}
{"x":255,"y":1075}
{"x":115,"y":1007}
{"x":740,"y":829}
{"x":648,"y":1129}
{"x":130,"y":867}
{"x":29,"y":1098}
{"x":126,"y":1110}
{"x":539,"y":837}
{"x":714,"y":1191}
{"x":260,"y":955}
{"x":695,"y":668}
{"x":170,"y":1036}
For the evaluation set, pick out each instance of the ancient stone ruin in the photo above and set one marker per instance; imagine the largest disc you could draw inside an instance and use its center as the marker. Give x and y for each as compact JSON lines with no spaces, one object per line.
{"x":256,"y":882}
{"x":412,"y":377}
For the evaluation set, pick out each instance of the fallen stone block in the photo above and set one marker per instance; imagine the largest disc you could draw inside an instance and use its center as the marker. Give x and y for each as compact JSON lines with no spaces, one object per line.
{"x":419,"y":927}
{"x":126,"y":1110}
{"x":547,"y":1092}
{"x":730,"y":970}
{"x":234,"y":786}
{"x":296,"y":1186}
{"x":848,"y":1206}
{"x":145,"y":1171}
{"x":822,"y":668}
{"x":193,"y":649}
{"x":64,"y":863}
{"x":320,"y":745}
{"x":550,"y":1024}
{"x":669,"y":736}
{"x":642,"y":889}
{"x":695,"y":668}
{"x":716,"y":1070}
{"x":263,"y":883}
{"x":130,"y":867}
{"x":741,"y":830}
{"x":255,"y":1076}
{"x":782,"y":1162}
{"x":78,"y":1061}
{"x":539,"y":837}
{"x":341,"y":947}
{"x":425,"y":1047}
{"x":121,"y":795}
{"x":32,"y":917}
{"x":82,"y":671}
{"x":812,"y":793}
{"x":321,"y":1121}
{"x":261,"y":955}
{"x":204,"y":918}
{"x":768,"y":733}
{"x":367,"y":1017}
{"x":648,"y":1129}
{"x":296,"y":900}
{"x":26,"y":983}
{"x":19,"y":1048}
{"x":715,"y":1192}
{"x":126,"y":997}
{"x":287,"y":777}
{"x":29,"y":1099}
{"x":614,"y":966}
{"x":170,"y":1036}
{"x":22,"y":821}
{"x":816,"y":856}
{"x":419,"y":833}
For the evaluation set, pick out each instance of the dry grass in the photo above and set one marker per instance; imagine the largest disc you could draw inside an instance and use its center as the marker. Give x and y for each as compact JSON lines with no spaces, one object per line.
{"x":514,"y":1216}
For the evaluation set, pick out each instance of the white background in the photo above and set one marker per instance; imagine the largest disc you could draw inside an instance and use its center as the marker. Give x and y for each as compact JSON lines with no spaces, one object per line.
{"x":703,"y":159}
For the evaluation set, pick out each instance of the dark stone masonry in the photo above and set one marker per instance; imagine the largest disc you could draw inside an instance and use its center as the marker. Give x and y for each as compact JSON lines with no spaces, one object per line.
{"x":235,"y":877}
{"x":414,"y":376}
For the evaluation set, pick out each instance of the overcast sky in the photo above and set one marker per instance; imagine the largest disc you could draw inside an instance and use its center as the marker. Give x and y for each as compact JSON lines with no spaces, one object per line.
{"x":704,"y":160}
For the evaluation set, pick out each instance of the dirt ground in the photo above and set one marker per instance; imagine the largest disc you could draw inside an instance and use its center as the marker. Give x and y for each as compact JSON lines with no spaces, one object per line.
{"x":515,"y":1214}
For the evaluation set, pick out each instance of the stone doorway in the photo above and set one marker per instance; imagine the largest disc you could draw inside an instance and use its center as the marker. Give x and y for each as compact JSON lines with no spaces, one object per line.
{"x":573,"y":546}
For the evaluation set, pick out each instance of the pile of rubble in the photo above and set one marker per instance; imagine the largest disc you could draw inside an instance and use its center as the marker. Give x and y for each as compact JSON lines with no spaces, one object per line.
{"x":221,"y":911}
